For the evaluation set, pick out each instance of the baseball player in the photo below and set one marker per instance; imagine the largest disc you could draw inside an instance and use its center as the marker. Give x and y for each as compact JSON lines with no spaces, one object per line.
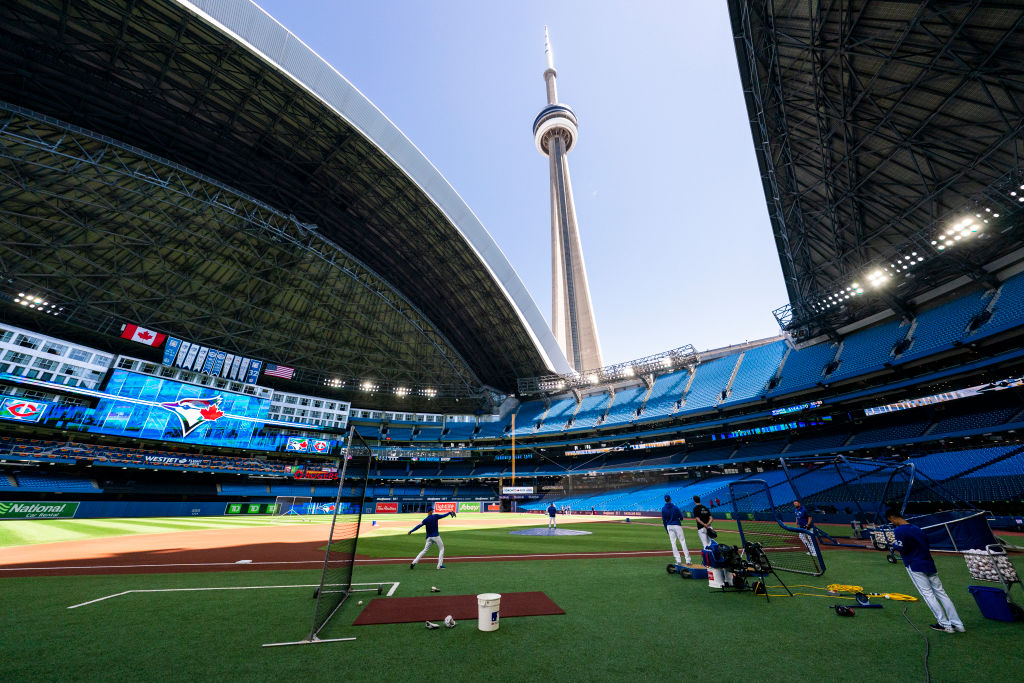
{"x":552,"y":511}
{"x":917,"y":558}
{"x":703,"y":516}
{"x":672,"y":518}
{"x":433,"y":538}
{"x":804,"y":521}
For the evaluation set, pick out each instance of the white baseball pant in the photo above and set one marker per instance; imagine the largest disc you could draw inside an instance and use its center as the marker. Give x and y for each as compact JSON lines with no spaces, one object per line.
{"x":432,"y":540}
{"x":808,"y":543}
{"x":675,"y":532}
{"x":703,"y":533}
{"x":930,"y":588}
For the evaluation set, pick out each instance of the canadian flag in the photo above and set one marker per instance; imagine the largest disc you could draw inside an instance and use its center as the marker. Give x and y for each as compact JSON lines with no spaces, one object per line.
{"x":142,"y":335}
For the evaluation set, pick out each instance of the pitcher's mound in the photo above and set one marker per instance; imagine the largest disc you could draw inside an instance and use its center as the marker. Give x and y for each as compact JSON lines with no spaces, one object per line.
{"x":541,"y":531}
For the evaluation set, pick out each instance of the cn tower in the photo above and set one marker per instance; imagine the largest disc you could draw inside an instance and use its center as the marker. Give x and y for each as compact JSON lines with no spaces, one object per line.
{"x":572,"y":316}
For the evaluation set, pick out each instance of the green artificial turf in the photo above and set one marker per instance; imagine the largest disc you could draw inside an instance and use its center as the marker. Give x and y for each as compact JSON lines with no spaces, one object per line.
{"x":626,"y":619}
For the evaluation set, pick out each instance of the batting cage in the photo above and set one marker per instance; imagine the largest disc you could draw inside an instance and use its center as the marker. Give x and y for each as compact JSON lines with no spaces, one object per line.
{"x":788,"y":548}
{"x":859,"y":490}
{"x":339,"y":557}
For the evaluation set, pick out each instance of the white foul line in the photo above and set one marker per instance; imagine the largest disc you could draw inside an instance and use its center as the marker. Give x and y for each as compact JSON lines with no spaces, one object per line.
{"x":394,"y":560}
{"x":394,"y":585}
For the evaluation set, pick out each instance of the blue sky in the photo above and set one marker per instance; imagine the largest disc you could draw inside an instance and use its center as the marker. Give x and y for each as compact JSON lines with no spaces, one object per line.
{"x":675,"y":229}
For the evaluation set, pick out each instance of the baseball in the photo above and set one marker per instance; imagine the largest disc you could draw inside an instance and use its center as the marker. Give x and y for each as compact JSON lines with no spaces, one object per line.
{"x":360,"y":602}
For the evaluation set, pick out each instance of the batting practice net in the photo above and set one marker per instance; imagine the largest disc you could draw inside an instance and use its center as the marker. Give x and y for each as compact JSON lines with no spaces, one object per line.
{"x":339,"y":558}
{"x":292,"y":506}
{"x":789,"y":548}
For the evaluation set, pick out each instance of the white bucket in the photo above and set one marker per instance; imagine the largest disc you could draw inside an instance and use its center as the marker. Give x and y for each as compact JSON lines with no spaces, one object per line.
{"x":717,"y":578}
{"x":489,"y":604}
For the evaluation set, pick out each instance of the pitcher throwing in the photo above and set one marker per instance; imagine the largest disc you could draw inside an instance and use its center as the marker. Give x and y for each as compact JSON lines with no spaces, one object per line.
{"x":433,"y":538}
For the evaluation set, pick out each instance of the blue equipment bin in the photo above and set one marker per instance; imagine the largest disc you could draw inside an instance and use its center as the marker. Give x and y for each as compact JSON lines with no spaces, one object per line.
{"x":992,"y":602}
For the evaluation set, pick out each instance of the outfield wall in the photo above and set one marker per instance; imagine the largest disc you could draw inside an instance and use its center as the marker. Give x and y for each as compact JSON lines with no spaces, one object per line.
{"x":41,"y":509}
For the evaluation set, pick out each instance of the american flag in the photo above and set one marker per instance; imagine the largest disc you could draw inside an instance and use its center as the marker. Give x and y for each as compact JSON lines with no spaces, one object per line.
{"x":282,"y":371}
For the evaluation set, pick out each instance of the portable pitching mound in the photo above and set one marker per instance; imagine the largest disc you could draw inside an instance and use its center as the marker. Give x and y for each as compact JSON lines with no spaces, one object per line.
{"x":436,"y":607}
{"x":541,"y":531}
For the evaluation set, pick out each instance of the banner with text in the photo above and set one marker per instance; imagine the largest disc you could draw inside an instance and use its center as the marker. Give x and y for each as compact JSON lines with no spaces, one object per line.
{"x":469,"y":507}
{"x":21,"y":510}
{"x":516,"y":490}
{"x":442,"y":507}
{"x":387,"y":507}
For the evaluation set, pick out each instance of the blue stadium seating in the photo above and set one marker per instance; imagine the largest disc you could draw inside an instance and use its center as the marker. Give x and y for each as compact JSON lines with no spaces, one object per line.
{"x":941,"y":466}
{"x":398,"y":433}
{"x":558,"y":414}
{"x":427,"y":434}
{"x":709,"y":380}
{"x":897,"y":432}
{"x":591,"y":410}
{"x":492,"y":429}
{"x":459,"y":431}
{"x":36,"y":482}
{"x":667,"y":391}
{"x":866,"y":350}
{"x":804,"y":367}
{"x":969,"y":421}
{"x":757,"y":367}
{"x":761,"y":449}
{"x":937,"y":328}
{"x":368,"y":431}
{"x":717,"y":454}
{"x":528,"y":416}
{"x":290,"y":490}
{"x":1008,"y":309}
{"x":228,"y":489}
{"x":817,"y":443}
{"x":625,"y":405}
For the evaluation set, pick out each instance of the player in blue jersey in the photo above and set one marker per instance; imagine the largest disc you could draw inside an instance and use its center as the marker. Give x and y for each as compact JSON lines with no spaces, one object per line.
{"x":433,"y":538}
{"x":672,"y":518}
{"x":917,"y":558}
{"x":552,"y":511}
{"x":804,"y":521}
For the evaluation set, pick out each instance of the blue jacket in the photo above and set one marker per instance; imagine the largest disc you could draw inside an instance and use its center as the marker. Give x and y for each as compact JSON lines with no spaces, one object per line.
{"x":670,"y":514}
{"x":552,"y":510}
{"x":430,"y":521}
{"x":914,"y":548}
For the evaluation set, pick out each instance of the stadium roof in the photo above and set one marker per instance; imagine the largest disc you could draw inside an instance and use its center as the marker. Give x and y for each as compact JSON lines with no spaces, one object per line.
{"x":879,"y":126}
{"x":319,"y":237}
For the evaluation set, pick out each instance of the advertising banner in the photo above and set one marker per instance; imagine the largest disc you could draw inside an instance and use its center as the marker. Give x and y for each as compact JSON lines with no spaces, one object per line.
{"x":493,"y":507}
{"x":297,"y":444}
{"x":516,"y":490}
{"x":387,"y":507}
{"x":469,"y":507}
{"x":172,"y":460}
{"x":22,"y":410}
{"x":442,"y":507}
{"x":37,"y":510}
{"x":250,"y":509}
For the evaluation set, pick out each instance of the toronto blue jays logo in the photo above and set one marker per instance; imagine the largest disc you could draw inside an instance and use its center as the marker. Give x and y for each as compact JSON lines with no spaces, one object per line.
{"x":193,"y":412}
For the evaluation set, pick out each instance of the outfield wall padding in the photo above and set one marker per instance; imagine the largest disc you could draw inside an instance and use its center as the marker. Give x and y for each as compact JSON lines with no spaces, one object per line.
{"x":112,"y":508}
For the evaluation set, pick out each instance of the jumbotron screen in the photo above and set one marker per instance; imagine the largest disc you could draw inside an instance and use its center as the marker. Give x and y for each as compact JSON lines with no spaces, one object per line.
{"x":156,"y":408}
